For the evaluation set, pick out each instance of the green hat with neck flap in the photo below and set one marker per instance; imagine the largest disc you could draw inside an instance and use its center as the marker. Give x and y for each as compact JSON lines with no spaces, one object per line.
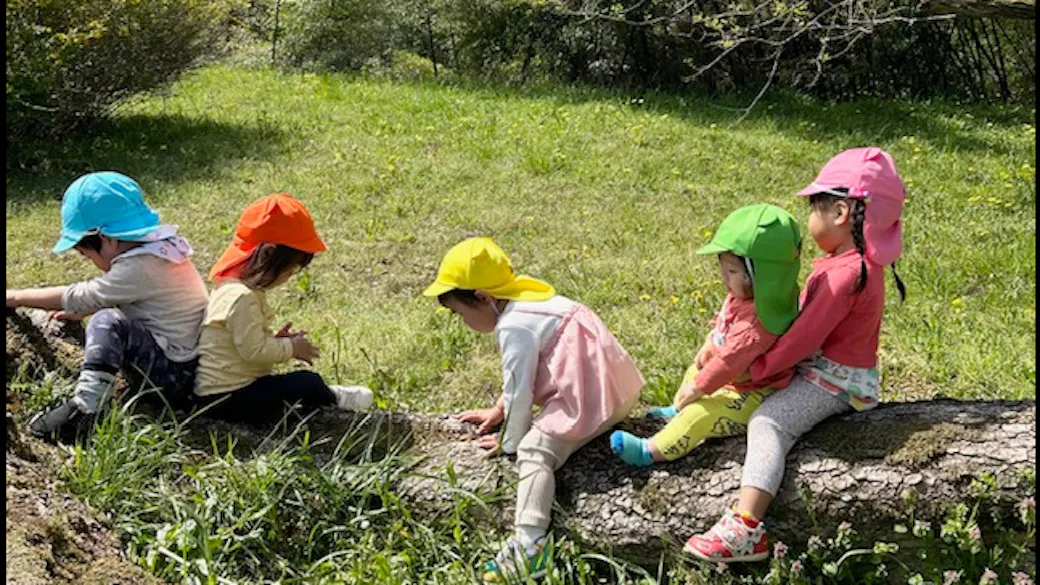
{"x":768,"y":236}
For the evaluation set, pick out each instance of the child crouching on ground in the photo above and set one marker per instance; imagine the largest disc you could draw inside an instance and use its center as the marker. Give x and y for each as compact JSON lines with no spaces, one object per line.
{"x":275,"y":238}
{"x":145,"y":309}
{"x":758,"y":248}
{"x":557,"y":354}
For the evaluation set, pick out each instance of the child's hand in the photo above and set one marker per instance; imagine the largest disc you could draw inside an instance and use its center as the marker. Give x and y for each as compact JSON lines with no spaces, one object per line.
{"x":285,"y":331}
{"x":702,"y":358}
{"x":486,"y":418}
{"x":489,"y":443}
{"x":63,"y":316}
{"x":12,"y":299}
{"x":687,"y":395}
{"x":303,"y":349}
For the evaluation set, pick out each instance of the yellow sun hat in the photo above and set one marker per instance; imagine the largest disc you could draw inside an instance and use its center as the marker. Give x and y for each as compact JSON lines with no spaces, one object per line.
{"x":479,"y":264}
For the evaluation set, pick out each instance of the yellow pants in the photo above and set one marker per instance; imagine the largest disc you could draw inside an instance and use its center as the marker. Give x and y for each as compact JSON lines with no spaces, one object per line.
{"x":723,"y":414}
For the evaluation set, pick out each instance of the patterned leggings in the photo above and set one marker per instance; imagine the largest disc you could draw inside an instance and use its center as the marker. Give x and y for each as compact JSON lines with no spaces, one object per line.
{"x":114,"y":342}
{"x":723,"y":414}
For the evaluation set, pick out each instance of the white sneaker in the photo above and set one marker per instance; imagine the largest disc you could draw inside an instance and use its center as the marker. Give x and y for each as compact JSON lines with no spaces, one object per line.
{"x":356,"y":398}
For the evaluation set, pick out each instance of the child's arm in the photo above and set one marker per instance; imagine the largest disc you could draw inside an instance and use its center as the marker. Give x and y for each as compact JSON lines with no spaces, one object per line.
{"x":255,"y":344}
{"x":826,"y":304}
{"x":126,"y":282}
{"x":744,"y":343}
{"x":519,"y":365}
{"x":39,"y":298}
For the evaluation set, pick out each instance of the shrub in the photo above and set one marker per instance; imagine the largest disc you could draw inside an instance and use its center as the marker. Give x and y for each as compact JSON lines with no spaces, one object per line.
{"x":69,"y":62}
{"x":335,"y":34}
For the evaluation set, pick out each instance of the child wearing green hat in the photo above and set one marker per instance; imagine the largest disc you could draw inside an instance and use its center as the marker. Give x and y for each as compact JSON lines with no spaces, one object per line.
{"x":856,"y":204}
{"x":146,"y":308}
{"x":758,"y":248}
{"x":557,"y":354}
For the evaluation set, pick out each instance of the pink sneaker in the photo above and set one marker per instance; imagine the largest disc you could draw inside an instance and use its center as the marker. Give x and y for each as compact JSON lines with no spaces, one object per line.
{"x":731,"y":540}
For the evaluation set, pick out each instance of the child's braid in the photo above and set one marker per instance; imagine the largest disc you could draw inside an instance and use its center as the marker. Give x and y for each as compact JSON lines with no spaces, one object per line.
{"x":859,"y":215}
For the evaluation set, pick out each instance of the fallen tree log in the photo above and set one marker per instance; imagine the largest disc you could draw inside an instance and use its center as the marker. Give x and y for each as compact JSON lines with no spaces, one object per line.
{"x":863,"y":468}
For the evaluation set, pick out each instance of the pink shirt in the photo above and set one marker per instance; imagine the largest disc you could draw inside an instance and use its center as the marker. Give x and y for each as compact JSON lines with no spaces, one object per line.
{"x":744,"y":339}
{"x":834,"y":318}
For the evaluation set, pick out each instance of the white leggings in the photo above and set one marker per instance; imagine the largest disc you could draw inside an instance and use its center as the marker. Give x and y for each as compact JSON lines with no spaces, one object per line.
{"x":538,"y":456}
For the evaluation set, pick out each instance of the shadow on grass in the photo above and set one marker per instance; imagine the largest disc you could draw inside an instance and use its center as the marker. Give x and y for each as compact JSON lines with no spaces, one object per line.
{"x":163,"y":148}
{"x":858,"y":122}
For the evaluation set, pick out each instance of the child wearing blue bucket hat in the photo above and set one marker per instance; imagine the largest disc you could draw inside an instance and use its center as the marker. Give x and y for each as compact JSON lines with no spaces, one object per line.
{"x":145,"y":308}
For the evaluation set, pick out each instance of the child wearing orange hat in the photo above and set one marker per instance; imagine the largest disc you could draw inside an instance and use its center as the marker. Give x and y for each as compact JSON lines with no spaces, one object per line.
{"x":557,"y":354}
{"x":274,"y":239}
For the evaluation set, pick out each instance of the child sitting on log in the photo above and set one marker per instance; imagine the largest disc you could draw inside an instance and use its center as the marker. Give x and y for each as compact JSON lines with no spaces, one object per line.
{"x":145,"y":308}
{"x":275,"y":238}
{"x":557,"y":354}
{"x":856,"y":202}
{"x":758,"y":248}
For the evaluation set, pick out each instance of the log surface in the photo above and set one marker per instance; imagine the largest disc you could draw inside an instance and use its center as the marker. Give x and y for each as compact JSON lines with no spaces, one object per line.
{"x":858,"y":468}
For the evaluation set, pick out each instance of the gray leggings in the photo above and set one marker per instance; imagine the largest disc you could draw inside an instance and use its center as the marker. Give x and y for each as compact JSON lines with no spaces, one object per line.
{"x":775,"y":426}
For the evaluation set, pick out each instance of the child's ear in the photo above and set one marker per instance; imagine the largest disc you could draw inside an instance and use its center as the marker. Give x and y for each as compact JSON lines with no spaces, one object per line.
{"x":484,"y":297}
{"x":842,"y":212}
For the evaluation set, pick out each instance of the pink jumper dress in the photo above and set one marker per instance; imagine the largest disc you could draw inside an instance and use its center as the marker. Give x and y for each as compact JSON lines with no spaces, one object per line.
{"x":584,"y":376}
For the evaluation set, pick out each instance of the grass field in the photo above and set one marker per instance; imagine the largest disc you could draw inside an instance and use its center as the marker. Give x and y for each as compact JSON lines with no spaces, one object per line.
{"x":606,"y":195}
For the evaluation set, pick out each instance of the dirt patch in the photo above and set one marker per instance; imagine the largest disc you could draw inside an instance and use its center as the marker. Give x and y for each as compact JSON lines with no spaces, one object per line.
{"x":53,"y":538}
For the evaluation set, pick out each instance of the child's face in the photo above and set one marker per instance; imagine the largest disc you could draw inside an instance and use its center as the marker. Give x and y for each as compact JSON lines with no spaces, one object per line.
{"x":830,"y":227}
{"x":481,"y":317}
{"x":101,"y":258}
{"x":735,"y":276}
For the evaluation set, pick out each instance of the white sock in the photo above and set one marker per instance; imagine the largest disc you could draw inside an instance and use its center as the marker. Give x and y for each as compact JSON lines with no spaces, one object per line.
{"x":355,"y":398}
{"x":529,"y":535}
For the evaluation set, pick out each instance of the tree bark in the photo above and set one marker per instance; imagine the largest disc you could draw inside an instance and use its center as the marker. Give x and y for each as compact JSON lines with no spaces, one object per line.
{"x":860,"y":468}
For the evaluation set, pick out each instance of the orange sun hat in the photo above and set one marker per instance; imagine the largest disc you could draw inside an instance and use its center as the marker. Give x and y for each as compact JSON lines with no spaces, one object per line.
{"x":275,"y":219}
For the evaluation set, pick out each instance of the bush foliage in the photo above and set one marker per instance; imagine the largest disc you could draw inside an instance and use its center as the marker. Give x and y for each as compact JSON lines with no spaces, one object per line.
{"x":68,"y":62}
{"x":665,"y":43}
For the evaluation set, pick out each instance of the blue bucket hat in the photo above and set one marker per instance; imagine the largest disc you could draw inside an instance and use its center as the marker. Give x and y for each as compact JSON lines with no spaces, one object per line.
{"x":107,"y":203}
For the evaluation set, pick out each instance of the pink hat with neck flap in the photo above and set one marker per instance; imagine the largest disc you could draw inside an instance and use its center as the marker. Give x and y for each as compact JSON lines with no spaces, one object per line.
{"x":869,"y":174}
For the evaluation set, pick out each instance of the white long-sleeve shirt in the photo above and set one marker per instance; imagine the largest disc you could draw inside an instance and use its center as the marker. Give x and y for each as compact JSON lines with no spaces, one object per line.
{"x":521,"y":337}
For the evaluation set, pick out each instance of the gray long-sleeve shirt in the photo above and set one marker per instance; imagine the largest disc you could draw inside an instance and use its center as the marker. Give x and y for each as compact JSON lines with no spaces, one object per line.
{"x":169,"y":298}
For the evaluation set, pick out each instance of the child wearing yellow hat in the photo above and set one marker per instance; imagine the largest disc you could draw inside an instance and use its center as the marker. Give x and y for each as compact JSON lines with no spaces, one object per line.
{"x":557,"y":354}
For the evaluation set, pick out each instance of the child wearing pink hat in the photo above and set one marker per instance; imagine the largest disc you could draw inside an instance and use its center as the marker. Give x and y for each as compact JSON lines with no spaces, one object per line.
{"x":856,"y":201}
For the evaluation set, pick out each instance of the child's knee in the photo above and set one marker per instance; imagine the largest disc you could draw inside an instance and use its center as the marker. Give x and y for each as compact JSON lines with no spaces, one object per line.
{"x":107,"y":321}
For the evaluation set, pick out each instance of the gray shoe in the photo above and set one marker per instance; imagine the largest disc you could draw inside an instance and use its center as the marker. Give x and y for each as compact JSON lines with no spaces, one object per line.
{"x":64,"y":424}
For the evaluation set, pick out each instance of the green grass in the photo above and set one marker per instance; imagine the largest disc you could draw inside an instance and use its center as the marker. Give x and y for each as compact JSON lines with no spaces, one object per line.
{"x":605,"y":195}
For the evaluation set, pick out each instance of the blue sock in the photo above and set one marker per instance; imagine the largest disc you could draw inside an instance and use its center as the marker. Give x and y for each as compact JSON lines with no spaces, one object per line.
{"x":665,"y":412}
{"x":631,"y":449}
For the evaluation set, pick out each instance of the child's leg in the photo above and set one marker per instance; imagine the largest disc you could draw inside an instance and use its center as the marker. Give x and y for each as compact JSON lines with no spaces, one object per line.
{"x":776,"y":426}
{"x":538,"y":456}
{"x":772,"y":431}
{"x":114,"y":342}
{"x":263,"y":400}
{"x":723,"y":414}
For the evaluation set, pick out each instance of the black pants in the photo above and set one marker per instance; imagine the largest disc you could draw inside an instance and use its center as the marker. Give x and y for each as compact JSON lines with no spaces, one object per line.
{"x":266,"y":399}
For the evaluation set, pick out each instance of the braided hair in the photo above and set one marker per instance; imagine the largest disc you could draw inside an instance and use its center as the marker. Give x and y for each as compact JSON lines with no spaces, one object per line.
{"x":858,"y":212}
{"x":859,"y":217}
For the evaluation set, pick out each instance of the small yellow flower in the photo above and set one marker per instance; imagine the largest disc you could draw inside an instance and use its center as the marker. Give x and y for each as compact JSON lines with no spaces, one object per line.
{"x":674,"y":299}
{"x":707,"y":234}
{"x":644,"y":297}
